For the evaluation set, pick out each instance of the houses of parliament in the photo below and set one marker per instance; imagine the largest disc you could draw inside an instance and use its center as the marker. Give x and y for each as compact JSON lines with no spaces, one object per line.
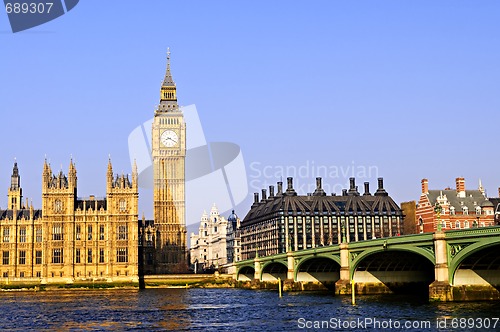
{"x":71,"y":238}
{"x":74,"y":238}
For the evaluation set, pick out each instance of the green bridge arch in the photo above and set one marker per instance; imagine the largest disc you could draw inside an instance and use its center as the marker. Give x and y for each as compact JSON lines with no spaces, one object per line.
{"x":302,"y":260}
{"x":368,"y":252}
{"x":268,"y":263}
{"x":454,"y":263}
{"x":242,"y":268}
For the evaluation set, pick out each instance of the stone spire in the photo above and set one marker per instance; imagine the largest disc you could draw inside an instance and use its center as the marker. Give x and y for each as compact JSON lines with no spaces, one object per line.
{"x":168,"y":91}
{"x":168,"y":80}
{"x":135,"y":177}
{"x":481,"y":188}
{"x":15,"y":181}
{"x":15,"y":195}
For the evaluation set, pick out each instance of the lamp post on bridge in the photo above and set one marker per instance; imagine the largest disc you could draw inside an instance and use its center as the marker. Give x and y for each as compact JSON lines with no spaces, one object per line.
{"x":438,"y":209}
{"x":342,"y":229}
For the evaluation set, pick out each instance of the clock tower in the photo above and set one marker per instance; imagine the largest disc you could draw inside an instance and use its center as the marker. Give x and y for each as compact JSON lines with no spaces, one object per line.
{"x":169,"y":154}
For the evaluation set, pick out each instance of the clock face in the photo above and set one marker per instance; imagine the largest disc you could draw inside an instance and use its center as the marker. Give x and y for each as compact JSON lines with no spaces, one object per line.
{"x":169,"y":138}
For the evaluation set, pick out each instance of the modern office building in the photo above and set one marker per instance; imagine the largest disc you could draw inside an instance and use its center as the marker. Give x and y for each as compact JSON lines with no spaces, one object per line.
{"x":287,"y":221}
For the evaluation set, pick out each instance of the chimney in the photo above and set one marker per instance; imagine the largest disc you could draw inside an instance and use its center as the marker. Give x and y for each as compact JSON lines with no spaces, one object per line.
{"x":344,"y":192}
{"x":460,"y":187}
{"x":271,"y":191}
{"x":256,"y":198}
{"x":264,"y":196}
{"x":498,"y":191}
{"x":280,"y":189}
{"x":381,"y":191}
{"x":367,"y":189}
{"x":290,"y":191}
{"x":319,"y":191}
{"x":425,"y":186}
{"x":353,"y":189}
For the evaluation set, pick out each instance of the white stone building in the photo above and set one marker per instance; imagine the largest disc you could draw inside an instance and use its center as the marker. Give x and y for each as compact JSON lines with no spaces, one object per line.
{"x":208,"y":247}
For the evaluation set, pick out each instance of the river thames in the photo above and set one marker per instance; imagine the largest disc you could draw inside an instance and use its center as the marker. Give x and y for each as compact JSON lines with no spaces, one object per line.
{"x":233,"y":310}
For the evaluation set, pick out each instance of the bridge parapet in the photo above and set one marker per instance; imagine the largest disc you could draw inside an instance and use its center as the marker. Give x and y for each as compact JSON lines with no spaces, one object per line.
{"x":444,"y":250}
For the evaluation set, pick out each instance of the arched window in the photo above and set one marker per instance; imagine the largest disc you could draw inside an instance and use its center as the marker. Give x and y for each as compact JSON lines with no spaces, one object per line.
{"x":457,"y":224}
{"x":122,"y":205}
{"x":452,"y":210}
{"x":466,"y":224}
{"x":58,"y":205}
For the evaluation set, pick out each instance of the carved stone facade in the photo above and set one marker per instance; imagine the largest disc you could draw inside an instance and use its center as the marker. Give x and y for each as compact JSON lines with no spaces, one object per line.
{"x":208,"y":247}
{"x":169,"y":154}
{"x":71,"y":238}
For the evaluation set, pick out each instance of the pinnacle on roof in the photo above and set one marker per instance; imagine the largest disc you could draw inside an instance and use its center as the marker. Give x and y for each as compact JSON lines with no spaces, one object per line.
{"x":168,"y":80}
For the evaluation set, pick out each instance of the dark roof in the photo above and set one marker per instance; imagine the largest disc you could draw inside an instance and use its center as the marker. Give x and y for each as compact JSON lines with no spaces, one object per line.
{"x":9,"y":214}
{"x":487,"y":203}
{"x":168,"y":80}
{"x":232,"y":217}
{"x":472,"y":198}
{"x":496,"y":203}
{"x":332,"y":205}
{"x":94,"y":204}
{"x":146,"y":223}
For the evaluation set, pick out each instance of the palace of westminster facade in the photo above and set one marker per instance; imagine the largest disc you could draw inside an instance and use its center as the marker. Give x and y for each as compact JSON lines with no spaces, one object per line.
{"x":73,"y":239}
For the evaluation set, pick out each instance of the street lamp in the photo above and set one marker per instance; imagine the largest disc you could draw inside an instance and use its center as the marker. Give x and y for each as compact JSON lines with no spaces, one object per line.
{"x":438,"y":209}
{"x":343,"y":231}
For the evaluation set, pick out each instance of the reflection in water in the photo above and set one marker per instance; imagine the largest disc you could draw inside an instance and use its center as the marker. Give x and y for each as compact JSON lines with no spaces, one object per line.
{"x":211,"y":309}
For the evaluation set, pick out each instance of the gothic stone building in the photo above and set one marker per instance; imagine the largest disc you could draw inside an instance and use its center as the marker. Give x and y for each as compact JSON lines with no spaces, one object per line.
{"x":71,"y":238}
{"x":169,"y":155}
{"x":287,"y":221}
{"x":453,"y":208}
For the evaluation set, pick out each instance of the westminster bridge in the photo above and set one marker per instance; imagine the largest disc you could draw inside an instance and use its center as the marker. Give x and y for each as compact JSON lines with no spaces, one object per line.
{"x":455,"y":265}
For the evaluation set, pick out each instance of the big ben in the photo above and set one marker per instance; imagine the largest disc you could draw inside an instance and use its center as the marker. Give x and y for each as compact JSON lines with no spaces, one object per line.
{"x":169,"y":154}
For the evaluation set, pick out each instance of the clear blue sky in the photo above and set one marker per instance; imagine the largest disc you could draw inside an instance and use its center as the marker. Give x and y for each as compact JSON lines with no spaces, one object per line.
{"x":408,"y":87}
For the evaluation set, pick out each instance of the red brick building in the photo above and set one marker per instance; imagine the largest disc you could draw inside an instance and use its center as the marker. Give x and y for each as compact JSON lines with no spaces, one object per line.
{"x":453,"y":208}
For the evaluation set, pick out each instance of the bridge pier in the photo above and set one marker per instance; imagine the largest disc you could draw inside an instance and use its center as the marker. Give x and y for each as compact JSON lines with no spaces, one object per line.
{"x":343,"y":285}
{"x":440,"y":289}
{"x":258,"y":269}
{"x":456,"y":265}
{"x":289,"y":283}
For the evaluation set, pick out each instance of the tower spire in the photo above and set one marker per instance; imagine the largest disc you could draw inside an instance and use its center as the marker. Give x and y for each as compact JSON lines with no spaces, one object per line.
{"x":15,"y":182}
{"x":168,"y":92}
{"x":15,"y":193}
{"x":168,"y":80}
